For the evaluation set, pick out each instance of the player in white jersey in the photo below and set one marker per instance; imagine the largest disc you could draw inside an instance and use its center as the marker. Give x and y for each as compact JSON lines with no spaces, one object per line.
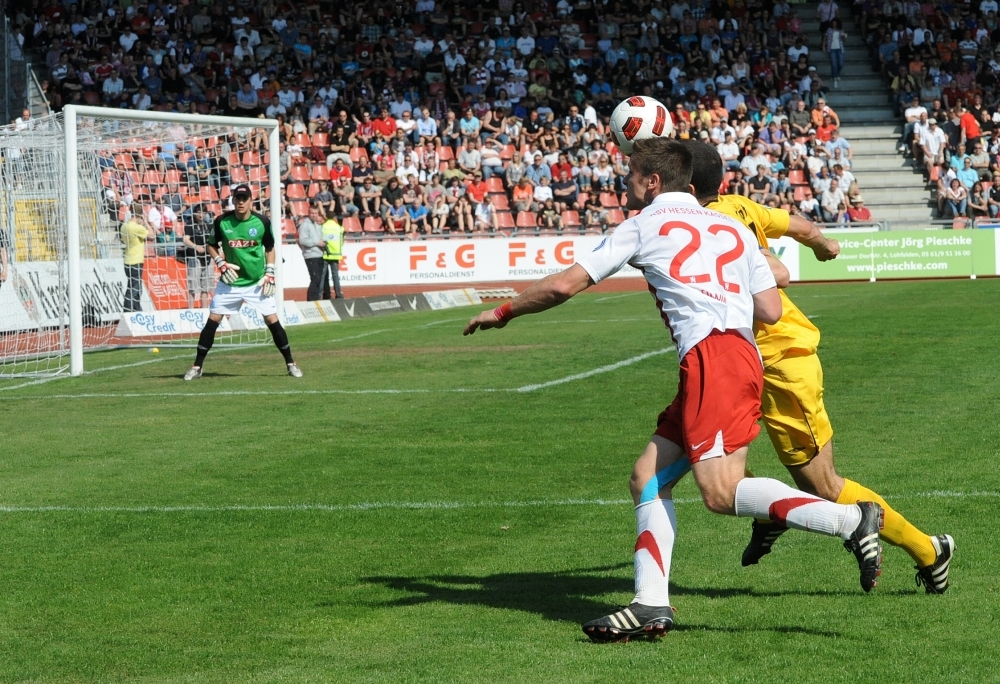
{"x":710,"y":282}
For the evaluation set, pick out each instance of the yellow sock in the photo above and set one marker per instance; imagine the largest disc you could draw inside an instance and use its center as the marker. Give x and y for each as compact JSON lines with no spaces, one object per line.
{"x":898,"y":531}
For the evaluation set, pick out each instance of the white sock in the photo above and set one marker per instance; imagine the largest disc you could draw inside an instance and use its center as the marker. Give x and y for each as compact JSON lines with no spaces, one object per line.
{"x":656,"y":527}
{"x":762,"y":497}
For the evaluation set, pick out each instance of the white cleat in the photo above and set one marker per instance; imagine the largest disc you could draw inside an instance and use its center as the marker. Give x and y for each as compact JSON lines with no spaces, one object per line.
{"x":193,"y":374}
{"x":293,"y":370}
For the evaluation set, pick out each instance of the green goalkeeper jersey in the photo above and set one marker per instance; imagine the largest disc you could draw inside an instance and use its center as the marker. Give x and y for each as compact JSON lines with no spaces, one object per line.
{"x":244,"y":243}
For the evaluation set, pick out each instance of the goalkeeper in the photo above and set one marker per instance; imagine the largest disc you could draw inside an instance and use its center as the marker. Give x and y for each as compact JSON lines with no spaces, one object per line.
{"x":246,"y":274}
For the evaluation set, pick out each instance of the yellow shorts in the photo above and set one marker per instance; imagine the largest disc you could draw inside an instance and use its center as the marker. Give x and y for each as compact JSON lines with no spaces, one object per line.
{"x":792,"y":404}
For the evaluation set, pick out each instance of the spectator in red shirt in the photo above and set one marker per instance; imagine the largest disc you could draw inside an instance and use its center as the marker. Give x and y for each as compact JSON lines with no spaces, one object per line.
{"x":385,"y":125}
{"x":858,"y":210}
{"x":340,"y":171}
{"x":476,"y":190}
{"x":562,"y":165}
{"x":971,"y":129}
{"x":366,"y":129}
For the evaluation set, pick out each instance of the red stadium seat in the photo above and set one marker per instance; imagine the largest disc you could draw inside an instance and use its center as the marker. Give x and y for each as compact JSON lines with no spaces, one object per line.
{"x":445,"y":153}
{"x":172,"y":176}
{"x":313,"y":190}
{"x":300,"y":174}
{"x":795,"y":177}
{"x":616,"y":216}
{"x":294,"y":191}
{"x":239,"y":175}
{"x":356,"y":154}
{"x":571,"y":219}
{"x":208,"y":193}
{"x":251,"y":159}
{"x":300,"y":209}
{"x":494,"y":184}
{"x":320,"y":140}
{"x":373,"y":224}
{"x":526,"y":219}
{"x":610,"y":200}
{"x":507,"y":153}
{"x":505,"y":220}
{"x":288,"y":227}
{"x":258,"y":174}
{"x":152,"y":177}
{"x":320,"y":173}
{"x":500,"y":202}
{"x":351,"y":224}
{"x":303,"y":140}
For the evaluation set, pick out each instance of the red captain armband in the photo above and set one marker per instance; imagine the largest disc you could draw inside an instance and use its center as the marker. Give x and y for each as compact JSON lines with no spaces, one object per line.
{"x":503,"y":313}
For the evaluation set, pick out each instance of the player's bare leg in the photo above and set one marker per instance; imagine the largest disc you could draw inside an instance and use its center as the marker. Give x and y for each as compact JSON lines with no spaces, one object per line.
{"x":819,"y":476}
{"x":649,"y":614}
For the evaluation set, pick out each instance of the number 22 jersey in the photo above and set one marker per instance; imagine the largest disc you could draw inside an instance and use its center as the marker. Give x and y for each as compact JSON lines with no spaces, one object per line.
{"x":703,"y":267}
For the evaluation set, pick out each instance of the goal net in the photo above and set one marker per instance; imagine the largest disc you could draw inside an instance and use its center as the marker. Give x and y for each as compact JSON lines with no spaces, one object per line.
{"x":105,"y":218}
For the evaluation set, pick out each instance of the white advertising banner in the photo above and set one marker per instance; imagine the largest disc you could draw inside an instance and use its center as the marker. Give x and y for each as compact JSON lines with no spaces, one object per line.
{"x":34,"y":294}
{"x":432,"y":262}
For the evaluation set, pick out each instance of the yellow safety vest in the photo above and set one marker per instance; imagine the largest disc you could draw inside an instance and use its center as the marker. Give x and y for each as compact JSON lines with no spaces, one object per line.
{"x":333,"y":234}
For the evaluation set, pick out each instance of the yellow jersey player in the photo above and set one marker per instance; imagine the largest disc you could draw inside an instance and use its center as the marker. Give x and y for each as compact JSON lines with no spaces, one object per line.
{"x":792,"y":401}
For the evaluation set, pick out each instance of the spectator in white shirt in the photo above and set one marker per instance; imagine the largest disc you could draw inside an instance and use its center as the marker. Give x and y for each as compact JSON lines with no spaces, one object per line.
{"x":525,"y":44}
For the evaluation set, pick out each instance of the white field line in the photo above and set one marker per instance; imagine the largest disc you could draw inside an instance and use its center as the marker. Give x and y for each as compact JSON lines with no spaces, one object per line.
{"x":405,"y":505}
{"x":595,"y":371}
{"x":236,"y":393}
{"x":367,"y":334}
{"x":621,"y":296}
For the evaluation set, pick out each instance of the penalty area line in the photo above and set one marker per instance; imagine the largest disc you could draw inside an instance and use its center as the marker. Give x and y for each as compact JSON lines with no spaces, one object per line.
{"x":404,"y":505}
{"x":236,"y":393}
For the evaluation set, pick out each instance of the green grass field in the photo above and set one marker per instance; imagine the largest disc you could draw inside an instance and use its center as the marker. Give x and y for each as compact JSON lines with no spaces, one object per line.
{"x":371,"y":523}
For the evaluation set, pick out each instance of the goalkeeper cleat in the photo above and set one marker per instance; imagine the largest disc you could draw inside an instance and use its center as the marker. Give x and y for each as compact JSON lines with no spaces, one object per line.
{"x":294,"y":370}
{"x":865,"y":545}
{"x":633,"y":622}
{"x":935,"y":577}
{"x":193,"y":374}
{"x":762,"y":535}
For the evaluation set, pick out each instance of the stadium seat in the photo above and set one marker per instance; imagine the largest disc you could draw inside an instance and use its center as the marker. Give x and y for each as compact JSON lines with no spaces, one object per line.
{"x":313,"y":189}
{"x":373,"y":224}
{"x":507,"y":153}
{"x":795,"y":177}
{"x":351,"y":224}
{"x":300,"y":208}
{"x":214,"y":209}
{"x":505,"y":220}
{"x":234,"y":159}
{"x":610,"y":200}
{"x":294,"y":191}
{"x":239,"y":175}
{"x":303,"y":140}
{"x":526,"y":219}
{"x":208,"y":193}
{"x":321,"y":140}
{"x":445,"y":153}
{"x":152,"y":177}
{"x":320,"y":173}
{"x":799,"y":193}
{"x":288,"y":228}
{"x":571,"y":219}
{"x":356,"y":154}
{"x":172,"y":176}
{"x":251,"y":159}
{"x":500,"y":202}
{"x":106,"y":178}
{"x":257,"y":174}
{"x":300,"y":174}
{"x":494,"y":184}
{"x":616,"y":216}
{"x":92,"y":98}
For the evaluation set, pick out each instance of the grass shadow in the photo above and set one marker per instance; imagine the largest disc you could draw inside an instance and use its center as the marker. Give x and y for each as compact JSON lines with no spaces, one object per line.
{"x":561,"y":596}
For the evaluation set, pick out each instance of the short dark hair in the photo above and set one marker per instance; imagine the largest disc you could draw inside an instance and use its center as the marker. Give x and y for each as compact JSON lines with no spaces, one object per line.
{"x":706,"y":169}
{"x":667,"y":158}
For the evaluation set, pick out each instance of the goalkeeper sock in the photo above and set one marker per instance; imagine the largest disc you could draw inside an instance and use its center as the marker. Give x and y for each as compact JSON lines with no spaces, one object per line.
{"x":205,"y":341}
{"x":762,"y":497}
{"x":656,"y":525}
{"x":281,"y":340}
{"x":898,"y":531}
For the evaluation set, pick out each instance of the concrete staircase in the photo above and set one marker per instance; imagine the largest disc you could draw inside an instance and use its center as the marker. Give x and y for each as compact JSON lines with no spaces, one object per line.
{"x":893,"y":189}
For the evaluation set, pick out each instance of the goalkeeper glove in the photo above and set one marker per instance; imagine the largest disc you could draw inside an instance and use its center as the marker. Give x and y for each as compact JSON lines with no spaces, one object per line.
{"x":267,"y":282}
{"x":227,"y":272}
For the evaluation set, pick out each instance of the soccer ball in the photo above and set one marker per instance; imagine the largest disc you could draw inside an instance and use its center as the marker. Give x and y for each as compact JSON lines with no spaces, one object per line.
{"x":637,"y":118}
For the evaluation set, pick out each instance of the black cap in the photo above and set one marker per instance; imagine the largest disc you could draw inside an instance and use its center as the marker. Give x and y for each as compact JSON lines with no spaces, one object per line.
{"x":242,"y":189}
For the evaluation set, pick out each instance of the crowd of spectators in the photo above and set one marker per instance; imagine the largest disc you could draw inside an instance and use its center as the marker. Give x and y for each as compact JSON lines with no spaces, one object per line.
{"x":941,"y":60}
{"x":427,"y":116}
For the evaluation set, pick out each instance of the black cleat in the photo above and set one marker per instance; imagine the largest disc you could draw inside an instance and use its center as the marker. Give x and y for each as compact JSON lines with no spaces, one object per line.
{"x":762,"y":535}
{"x":633,"y":622}
{"x":935,"y":577}
{"x":865,"y":545}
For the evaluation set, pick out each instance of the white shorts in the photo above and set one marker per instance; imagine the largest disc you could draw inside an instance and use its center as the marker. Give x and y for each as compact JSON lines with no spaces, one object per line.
{"x":228,"y":299}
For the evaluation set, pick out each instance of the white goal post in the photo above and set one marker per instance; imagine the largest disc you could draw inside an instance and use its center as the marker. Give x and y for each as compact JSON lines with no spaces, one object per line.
{"x":78,"y":185}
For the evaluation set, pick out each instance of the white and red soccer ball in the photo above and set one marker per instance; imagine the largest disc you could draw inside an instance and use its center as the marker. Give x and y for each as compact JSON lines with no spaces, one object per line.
{"x":637,"y":118}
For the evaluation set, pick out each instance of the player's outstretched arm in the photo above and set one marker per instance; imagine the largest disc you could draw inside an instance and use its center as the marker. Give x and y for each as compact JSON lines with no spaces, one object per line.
{"x":767,"y":306}
{"x":807,"y":233}
{"x":540,"y":296}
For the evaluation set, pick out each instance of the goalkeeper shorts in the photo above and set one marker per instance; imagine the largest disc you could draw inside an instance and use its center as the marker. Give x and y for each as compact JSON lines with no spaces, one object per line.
{"x":229,"y":299}
{"x":792,"y":404}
